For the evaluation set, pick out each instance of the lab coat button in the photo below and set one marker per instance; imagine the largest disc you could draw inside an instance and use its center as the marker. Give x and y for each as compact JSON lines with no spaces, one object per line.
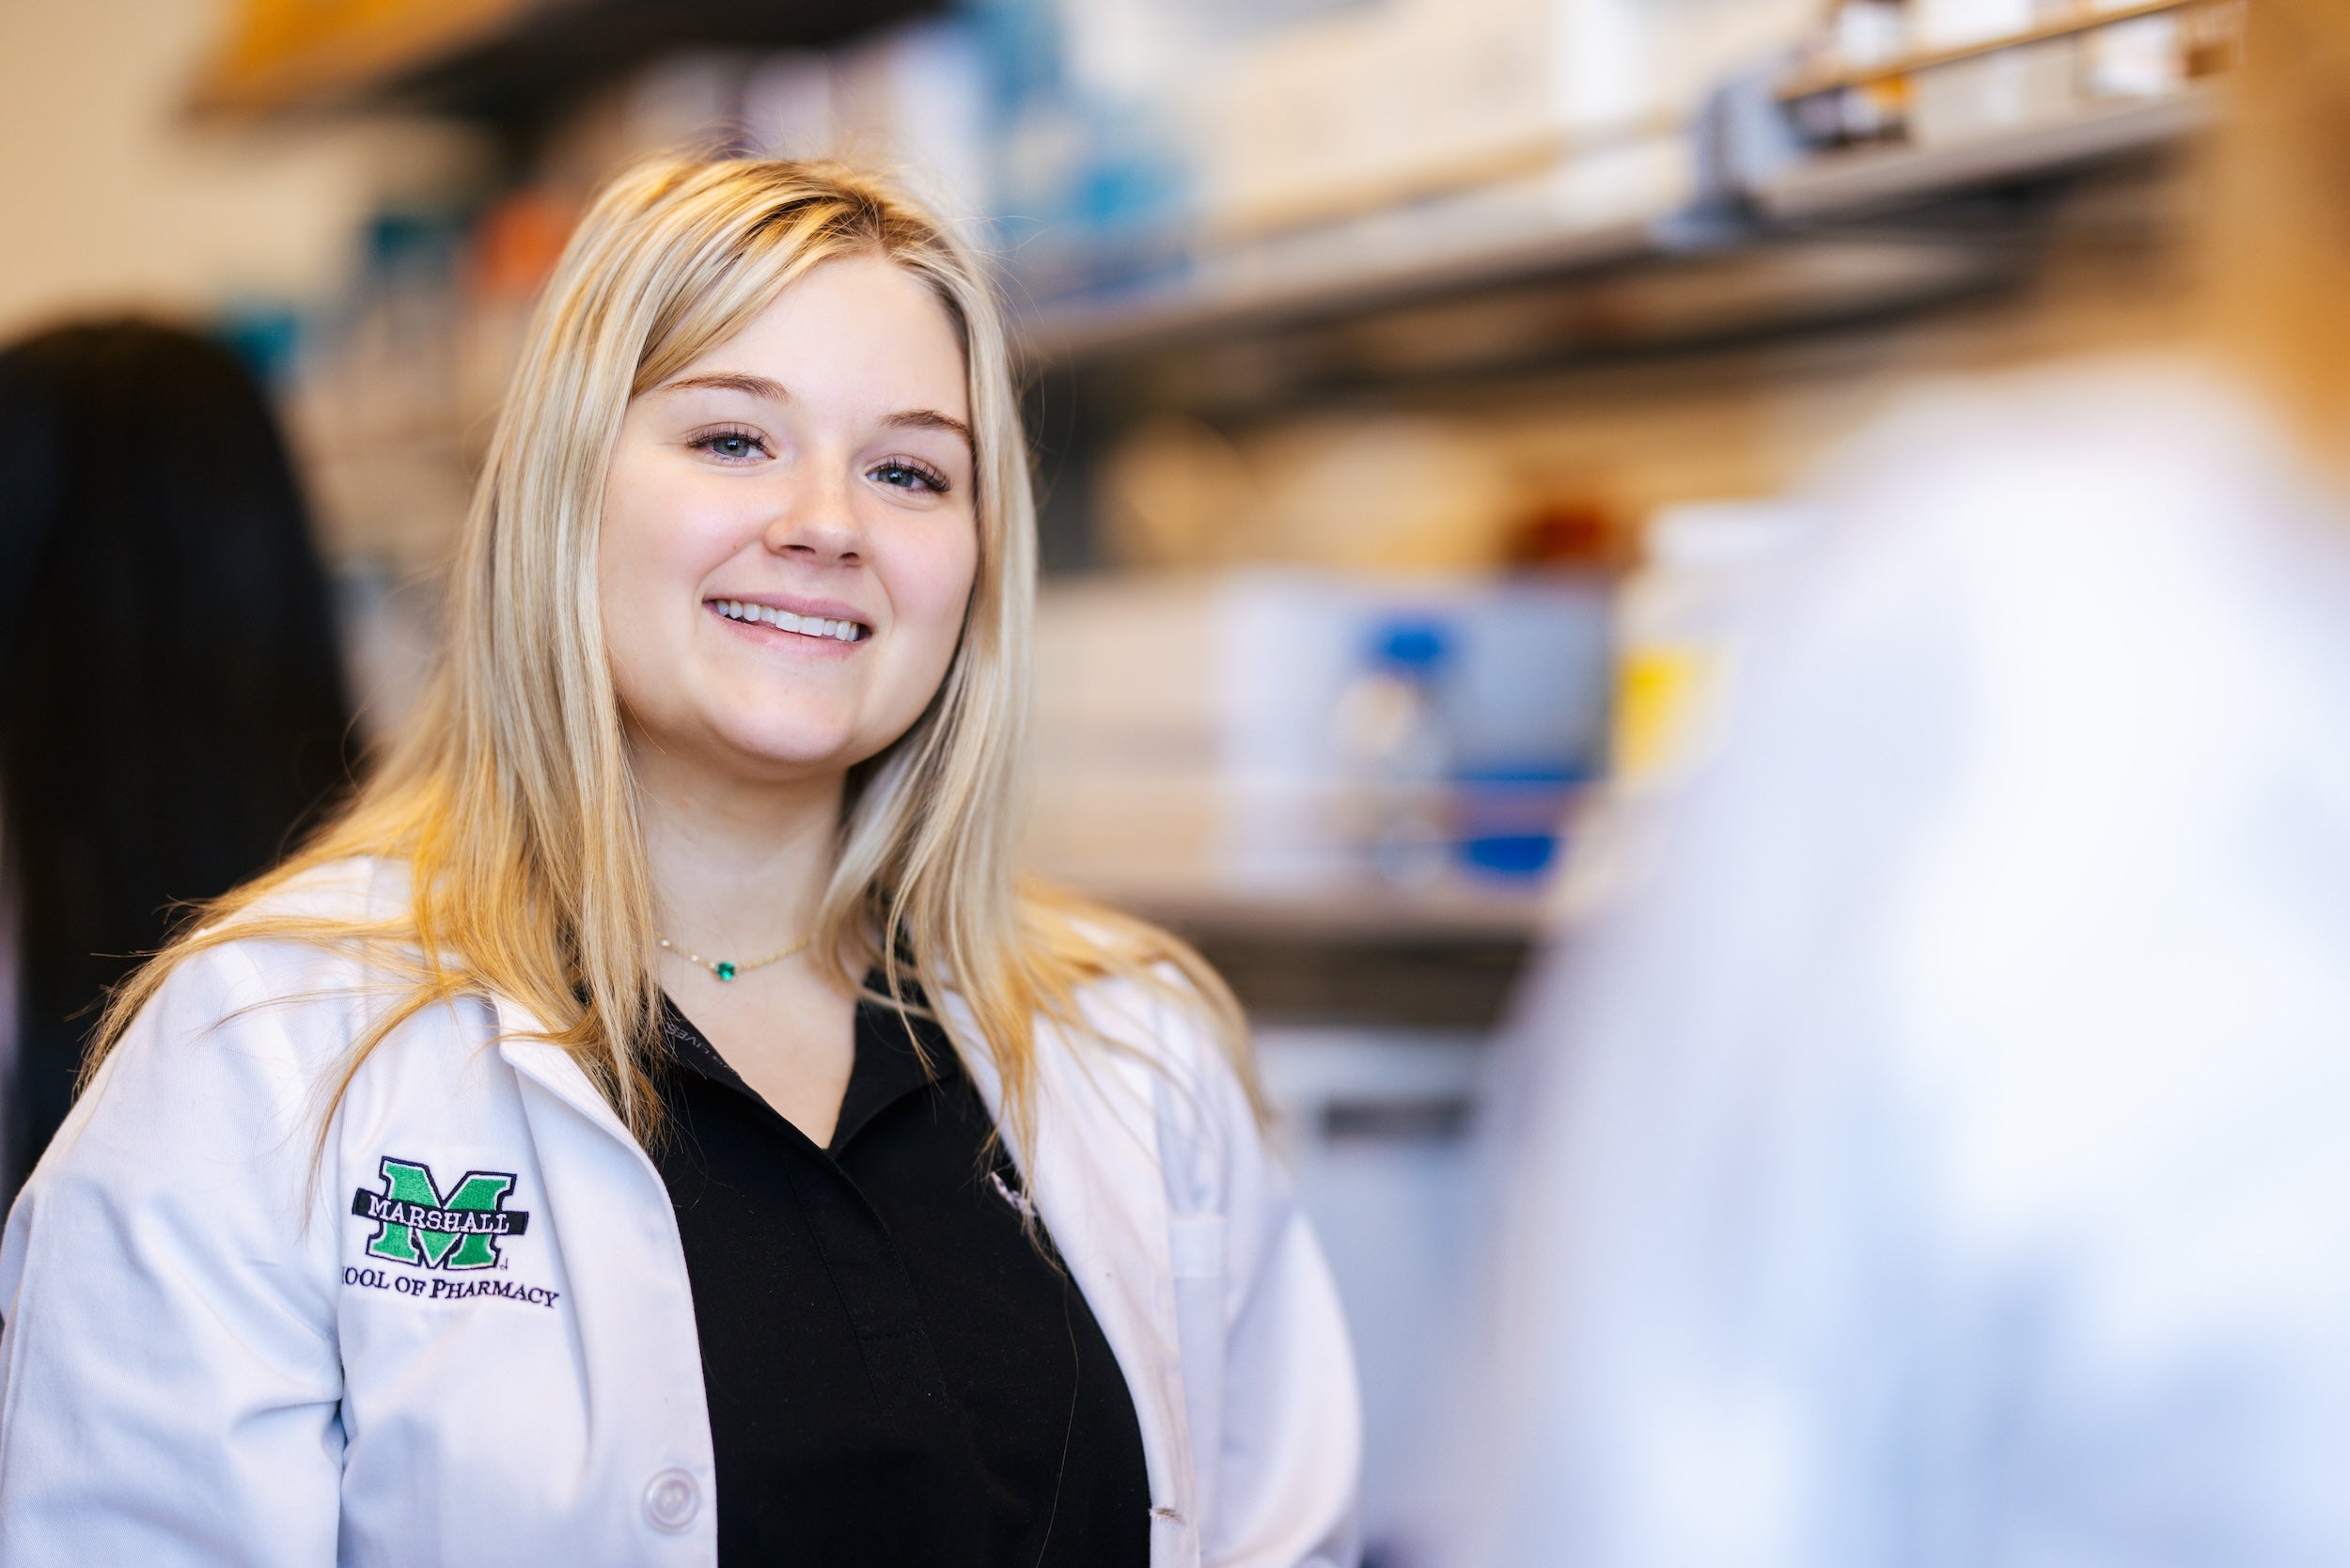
{"x":671,"y":1501}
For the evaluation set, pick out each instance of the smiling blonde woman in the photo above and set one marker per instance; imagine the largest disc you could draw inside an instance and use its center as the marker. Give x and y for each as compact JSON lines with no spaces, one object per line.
{"x":655,"y":1123}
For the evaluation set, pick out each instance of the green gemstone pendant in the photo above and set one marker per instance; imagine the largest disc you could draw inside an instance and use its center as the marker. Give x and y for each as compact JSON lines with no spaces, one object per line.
{"x":725,"y":968}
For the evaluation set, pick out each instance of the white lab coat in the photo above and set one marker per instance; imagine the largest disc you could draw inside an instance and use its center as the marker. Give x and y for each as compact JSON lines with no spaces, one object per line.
{"x":1944,"y":1157}
{"x":203,"y":1363}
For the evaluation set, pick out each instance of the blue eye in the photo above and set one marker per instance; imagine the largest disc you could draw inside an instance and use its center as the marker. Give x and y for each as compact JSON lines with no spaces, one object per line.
{"x":901,"y":475}
{"x":731,"y":446}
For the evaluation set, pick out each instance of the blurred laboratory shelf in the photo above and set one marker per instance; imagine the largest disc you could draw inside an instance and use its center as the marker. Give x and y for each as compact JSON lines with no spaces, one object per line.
{"x":1362,"y":263}
{"x":2075,"y":19}
{"x":1457,"y":909}
{"x":1546,"y":289}
{"x":506,"y":60}
{"x":1441,"y":958}
{"x":1452,"y":310}
{"x":1476,"y":283}
{"x":1867,"y":179}
{"x":1734,"y":220}
{"x":1307,"y":976}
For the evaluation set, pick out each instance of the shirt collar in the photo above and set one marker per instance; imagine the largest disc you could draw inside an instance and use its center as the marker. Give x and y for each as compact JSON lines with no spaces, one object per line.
{"x":897,"y":1054}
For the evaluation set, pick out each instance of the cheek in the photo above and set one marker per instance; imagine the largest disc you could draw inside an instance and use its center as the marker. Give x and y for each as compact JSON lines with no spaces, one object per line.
{"x":931,"y":585}
{"x":648,"y":531}
{"x":640,"y":557}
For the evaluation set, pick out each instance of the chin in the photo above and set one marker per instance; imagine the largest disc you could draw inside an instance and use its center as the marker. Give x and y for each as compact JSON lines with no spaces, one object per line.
{"x":798,"y":751}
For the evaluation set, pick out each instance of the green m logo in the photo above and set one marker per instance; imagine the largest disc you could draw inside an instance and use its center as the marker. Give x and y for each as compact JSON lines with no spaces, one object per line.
{"x":419,"y":1225}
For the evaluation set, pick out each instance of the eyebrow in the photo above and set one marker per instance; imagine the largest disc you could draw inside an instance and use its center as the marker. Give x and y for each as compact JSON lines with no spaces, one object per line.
{"x":775,"y":391}
{"x":930,"y":419}
{"x":730,"y":381}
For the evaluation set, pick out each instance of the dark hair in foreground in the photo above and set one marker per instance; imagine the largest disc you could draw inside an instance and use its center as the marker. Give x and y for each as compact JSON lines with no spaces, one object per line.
{"x":171,"y":698}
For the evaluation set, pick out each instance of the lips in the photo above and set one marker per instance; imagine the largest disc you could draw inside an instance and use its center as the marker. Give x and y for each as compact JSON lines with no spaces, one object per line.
{"x":832,"y":628}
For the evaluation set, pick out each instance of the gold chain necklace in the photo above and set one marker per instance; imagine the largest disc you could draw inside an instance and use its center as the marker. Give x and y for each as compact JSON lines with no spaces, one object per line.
{"x":725,"y":969}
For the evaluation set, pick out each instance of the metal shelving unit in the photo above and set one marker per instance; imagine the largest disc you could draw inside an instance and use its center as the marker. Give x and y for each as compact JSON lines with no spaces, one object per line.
{"x":1872,"y":180}
{"x":2085,"y":17}
{"x":1817,"y":236}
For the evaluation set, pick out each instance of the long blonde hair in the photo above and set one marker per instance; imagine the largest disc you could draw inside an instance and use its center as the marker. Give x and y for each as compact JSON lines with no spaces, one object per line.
{"x":510,"y":798}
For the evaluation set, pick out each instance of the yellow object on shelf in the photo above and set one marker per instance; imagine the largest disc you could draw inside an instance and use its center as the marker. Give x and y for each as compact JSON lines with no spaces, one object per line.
{"x":1682,"y":623}
{"x":1664,"y":695}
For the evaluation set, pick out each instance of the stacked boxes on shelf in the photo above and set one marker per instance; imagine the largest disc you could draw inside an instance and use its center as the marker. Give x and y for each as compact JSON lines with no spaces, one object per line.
{"x":1208,"y":147}
{"x":1375,"y":106}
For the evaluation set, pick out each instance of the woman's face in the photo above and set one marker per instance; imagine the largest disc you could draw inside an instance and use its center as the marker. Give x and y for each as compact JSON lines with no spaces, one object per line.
{"x":789,"y":532}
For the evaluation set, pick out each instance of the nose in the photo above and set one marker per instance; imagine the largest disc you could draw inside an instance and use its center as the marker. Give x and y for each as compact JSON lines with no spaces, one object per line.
{"x":816,"y":519}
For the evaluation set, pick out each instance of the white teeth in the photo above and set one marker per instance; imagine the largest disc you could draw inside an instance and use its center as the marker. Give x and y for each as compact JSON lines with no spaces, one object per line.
{"x":784,"y":620}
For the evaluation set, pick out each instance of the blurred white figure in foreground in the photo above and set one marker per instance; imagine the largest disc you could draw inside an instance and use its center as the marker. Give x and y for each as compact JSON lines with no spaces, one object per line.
{"x":1945,"y":1158}
{"x":1948,"y":1160}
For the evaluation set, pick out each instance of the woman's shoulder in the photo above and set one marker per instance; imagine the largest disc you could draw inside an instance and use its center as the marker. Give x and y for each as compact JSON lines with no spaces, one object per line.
{"x":360,"y":888}
{"x":277,"y":981}
{"x":1126,"y":1036}
{"x":1181,"y":1050}
{"x":310,"y":923}
{"x":1142,"y":993}
{"x":1164,"y":1059}
{"x":206,"y":1115}
{"x":236,"y":1041}
{"x":1158,"y":1015}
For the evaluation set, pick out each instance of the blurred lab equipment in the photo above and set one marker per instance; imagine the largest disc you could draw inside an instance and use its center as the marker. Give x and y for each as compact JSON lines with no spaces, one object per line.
{"x":171,"y":699}
{"x":1936,"y":1158}
{"x":1278,"y":738}
{"x":1373,"y":1123}
{"x":1391,"y":733}
{"x":1398,"y":734}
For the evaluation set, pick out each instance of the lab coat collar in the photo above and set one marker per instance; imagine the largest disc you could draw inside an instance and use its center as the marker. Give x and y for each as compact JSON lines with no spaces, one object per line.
{"x":1095,"y":1180}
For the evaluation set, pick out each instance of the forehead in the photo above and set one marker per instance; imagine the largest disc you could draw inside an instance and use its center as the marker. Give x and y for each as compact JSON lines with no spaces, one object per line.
{"x":857,"y":329}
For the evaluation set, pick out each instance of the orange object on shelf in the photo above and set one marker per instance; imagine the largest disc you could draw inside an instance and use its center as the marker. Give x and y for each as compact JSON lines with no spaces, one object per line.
{"x":518,"y":242}
{"x":280,"y":54}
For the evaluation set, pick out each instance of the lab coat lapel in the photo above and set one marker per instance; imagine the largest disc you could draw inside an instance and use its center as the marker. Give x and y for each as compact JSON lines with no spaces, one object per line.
{"x":1095,"y":1179}
{"x":618,"y":1236}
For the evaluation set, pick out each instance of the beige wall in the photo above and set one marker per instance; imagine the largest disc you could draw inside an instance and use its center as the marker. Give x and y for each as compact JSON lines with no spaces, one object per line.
{"x":108,"y":197}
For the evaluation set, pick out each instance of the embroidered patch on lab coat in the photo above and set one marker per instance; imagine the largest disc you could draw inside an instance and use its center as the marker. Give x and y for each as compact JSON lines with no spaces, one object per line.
{"x":459,"y":1229}
{"x":419,"y":1224}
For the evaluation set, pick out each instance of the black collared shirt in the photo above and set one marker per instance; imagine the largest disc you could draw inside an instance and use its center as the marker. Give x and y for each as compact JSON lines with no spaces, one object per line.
{"x":896,"y":1373}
